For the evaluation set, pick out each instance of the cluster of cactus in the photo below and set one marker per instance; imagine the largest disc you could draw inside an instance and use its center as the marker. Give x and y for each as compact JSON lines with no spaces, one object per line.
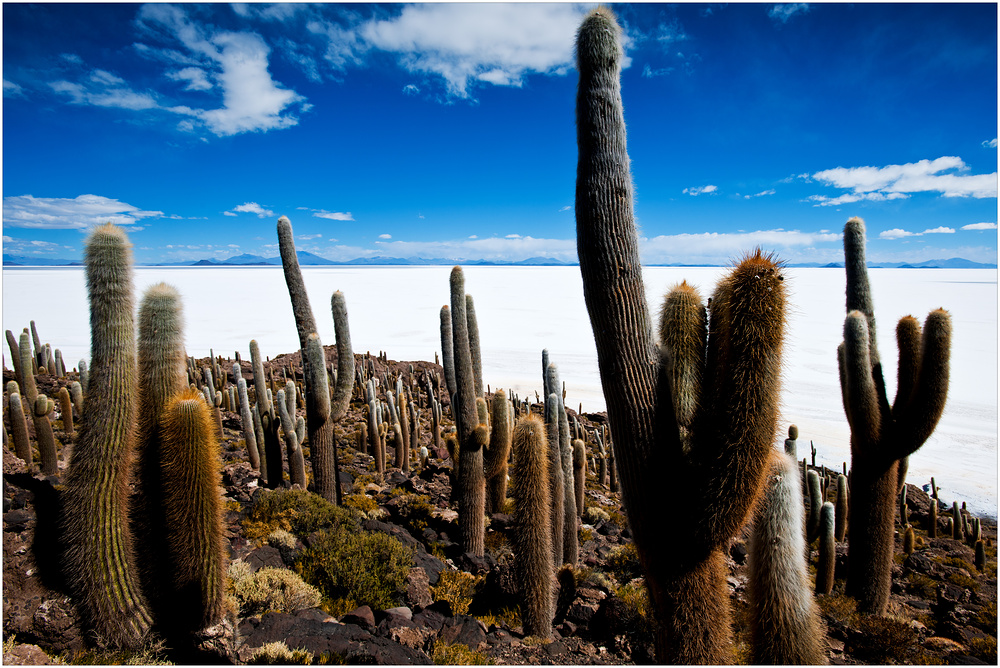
{"x":717,"y":455}
{"x":561,"y":472}
{"x":883,"y":434}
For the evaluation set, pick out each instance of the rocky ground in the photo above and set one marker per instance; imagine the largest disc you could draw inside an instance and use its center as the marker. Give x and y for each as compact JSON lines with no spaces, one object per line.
{"x":942,"y":609}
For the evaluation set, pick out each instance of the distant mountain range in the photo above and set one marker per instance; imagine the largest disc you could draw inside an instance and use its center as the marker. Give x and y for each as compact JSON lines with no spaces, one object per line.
{"x":309,"y":259}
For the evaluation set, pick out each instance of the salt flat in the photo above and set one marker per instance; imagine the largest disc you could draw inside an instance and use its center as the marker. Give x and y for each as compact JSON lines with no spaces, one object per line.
{"x":522,"y":310}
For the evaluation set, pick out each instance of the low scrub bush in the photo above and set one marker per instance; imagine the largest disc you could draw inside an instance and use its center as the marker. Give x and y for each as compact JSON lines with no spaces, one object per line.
{"x":456,"y":587}
{"x":623,"y":563}
{"x":296,"y":511}
{"x":277,"y":653}
{"x":277,"y":589}
{"x":445,"y":654}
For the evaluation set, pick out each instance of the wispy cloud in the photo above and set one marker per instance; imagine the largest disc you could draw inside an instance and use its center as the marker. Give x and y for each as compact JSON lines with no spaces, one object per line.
{"x":101,"y":88}
{"x":943,"y":175}
{"x":494,"y":249}
{"x":33,"y":247}
{"x":781,"y":13}
{"x":11,"y":89}
{"x":649,"y":73}
{"x":762,"y":193}
{"x":980,"y":226}
{"x":385,"y":236}
{"x":718,"y":248}
{"x":308,"y":237}
{"x":703,"y":190}
{"x":252,"y":207}
{"x":333,"y":215}
{"x":897,"y":233}
{"x":990,"y":143}
{"x":55,"y":213}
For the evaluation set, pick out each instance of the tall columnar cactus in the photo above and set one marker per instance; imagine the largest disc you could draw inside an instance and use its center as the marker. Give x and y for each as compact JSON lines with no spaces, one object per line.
{"x":791,"y":443}
{"x":683,"y":328}
{"x":76,"y":393}
{"x":447,"y":351}
{"x":472,"y":436}
{"x":271,"y":451}
{"x":66,"y":410}
{"x":571,"y":547}
{"x":99,"y":559}
{"x":883,"y":434}
{"x":815,"y":504}
{"x":474,"y":351}
{"x":840,"y":529}
{"x":321,"y":415}
{"x":723,"y":473}
{"x":532,"y":535}
{"x":28,"y":389}
{"x":246,"y":419}
{"x":19,"y":428}
{"x":285,"y":402}
{"x":15,"y":357}
{"x":932,"y":522}
{"x":84,"y":374}
{"x":191,"y":466}
{"x":579,"y":473}
{"x":827,"y":550}
{"x":557,"y":494}
{"x":39,"y":348}
{"x":784,"y":620}
{"x":495,"y":458}
{"x":162,"y":375}
{"x":47,"y":452}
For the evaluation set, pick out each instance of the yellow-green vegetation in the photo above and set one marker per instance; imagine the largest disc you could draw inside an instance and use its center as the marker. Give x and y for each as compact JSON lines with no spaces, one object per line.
{"x":277,"y":653}
{"x":956,"y":562}
{"x":507,"y":507}
{"x":151,"y":655}
{"x":586,"y":534}
{"x":838,"y":608}
{"x":277,"y":589}
{"x":964,"y":581}
{"x":496,"y":543}
{"x":594,"y":514}
{"x":445,"y":654}
{"x":282,"y":540}
{"x":984,"y":649}
{"x":510,"y":617}
{"x":883,"y":640}
{"x":367,"y":569}
{"x":232,"y":506}
{"x":296,"y":511}
{"x":364,"y":504}
{"x":623,"y":563}
{"x":986,"y":618}
{"x":456,"y":587}
{"x":922,"y":585}
{"x":415,"y":511}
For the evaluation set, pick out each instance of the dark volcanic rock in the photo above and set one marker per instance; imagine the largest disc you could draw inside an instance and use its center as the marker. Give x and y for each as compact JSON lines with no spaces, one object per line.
{"x":263,"y":557}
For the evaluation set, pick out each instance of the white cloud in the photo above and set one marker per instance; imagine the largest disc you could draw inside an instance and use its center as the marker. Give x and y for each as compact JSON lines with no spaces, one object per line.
{"x":762,"y":193}
{"x":473,"y":236}
{"x":823,"y":200}
{"x":990,"y":143}
{"x":893,"y":181}
{"x":80,"y":213}
{"x":333,"y":215}
{"x":786,"y":11}
{"x":700,"y":191}
{"x":671,"y":32}
{"x":229,"y":213}
{"x":385,"y":236}
{"x":411,"y":89}
{"x":649,"y":73}
{"x":568,"y":207}
{"x":980,"y":226}
{"x":11,"y":89}
{"x":493,"y":249}
{"x":194,"y":76}
{"x":897,"y":233}
{"x":103,"y":89}
{"x":308,"y":237}
{"x":32,"y":247}
{"x":513,"y":236}
{"x":498,"y":43}
{"x":719,"y":248}
{"x":253,"y":207}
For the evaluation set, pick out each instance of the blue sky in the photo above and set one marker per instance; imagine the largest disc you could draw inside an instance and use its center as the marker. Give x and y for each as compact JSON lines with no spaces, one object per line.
{"x":447,"y":130}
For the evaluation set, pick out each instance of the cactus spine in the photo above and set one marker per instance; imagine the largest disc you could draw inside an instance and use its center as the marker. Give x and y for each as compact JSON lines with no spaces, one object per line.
{"x":15,"y":357}
{"x":827,"y":550}
{"x":736,"y":421}
{"x":815,"y":503}
{"x":472,"y":436}
{"x":190,"y":466}
{"x":532,"y":535}
{"x":447,"y":351}
{"x":495,"y":458}
{"x":43,"y":434}
{"x":28,"y":389}
{"x":784,"y":620}
{"x":99,"y":556}
{"x":271,"y":452}
{"x":883,"y":434}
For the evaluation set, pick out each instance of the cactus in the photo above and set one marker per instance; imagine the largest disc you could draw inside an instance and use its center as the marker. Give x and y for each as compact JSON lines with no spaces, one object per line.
{"x":792,"y":441}
{"x":447,"y":351}
{"x":785,"y":625}
{"x":980,"y":556}
{"x":840,"y":530}
{"x":99,"y":559}
{"x":683,"y":330}
{"x":84,"y":374}
{"x":956,"y":521}
{"x":495,"y":457}
{"x":246,"y":418}
{"x":15,"y":357}
{"x":66,"y":410}
{"x":286,"y":411}
{"x":192,"y":498}
{"x":827,"y":550}
{"x":532,"y":534}
{"x":19,"y":428}
{"x":904,"y":512}
{"x":932,"y":523}
{"x":571,"y":539}
{"x":883,"y":434}
{"x":815,"y":503}
{"x":909,"y":541}
{"x":579,"y":473}
{"x":39,"y":348}
{"x":28,"y":389}
{"x":472,"y":435}
{"x":723,"y":474}
{"x":60,"y":367}
{"x":321,"y":415}
{"x":557,"y":494}
{"x":271,"y":452}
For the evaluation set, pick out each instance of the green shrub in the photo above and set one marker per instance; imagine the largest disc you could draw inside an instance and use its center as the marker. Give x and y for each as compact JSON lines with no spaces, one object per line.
{"x":456,"y":587}
{"x":368,"y":569}
{"x":415,"y":512}
{"x":623,"y":563}
{"x":883,"y":640}
{"x":458,"y":654}
{"x":364,"y":504}
{"x":277,"y":653}
{"x":277,"y":589}
{"x":595,"y":514}
{"x":296,"y":511}
{"x":922,"y":585}
{"x":984,"y":649}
